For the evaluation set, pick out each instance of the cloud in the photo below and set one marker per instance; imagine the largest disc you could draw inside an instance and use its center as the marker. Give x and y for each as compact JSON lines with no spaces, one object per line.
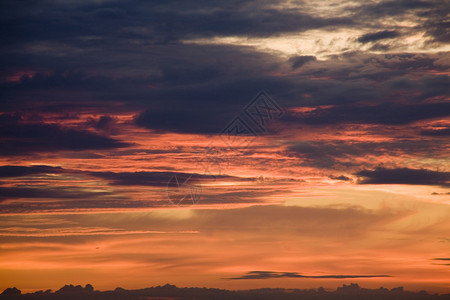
{"x":341,"y":178}
{"x":404,"y":176}
{"x":18,"y":171}
{"x":189,"y":121}
{"x":333,"y":154}
{"x":270,"y":274}
{"x":19,"y":138}
{"x":105,"y":123}
{"x":298,"y":61}
{"x":388,"y":114}
{"x":443,"y":259}
{"x":429,"y":15}
{"x":376,"y":36}
{"x":63,"y":192}
{"x":436,"y":132}
{"x":396,"y":7}
{"x":157,"y":178}
{"x":157,"y":22}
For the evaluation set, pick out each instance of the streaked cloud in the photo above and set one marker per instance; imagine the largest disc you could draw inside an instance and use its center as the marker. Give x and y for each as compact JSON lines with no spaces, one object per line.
{"x":269,"y":274}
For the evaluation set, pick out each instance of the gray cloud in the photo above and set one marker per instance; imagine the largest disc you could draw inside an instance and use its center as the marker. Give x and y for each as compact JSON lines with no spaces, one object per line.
{"x":389,"y":114}
{"x":333,"y":154}
{"x":18,"y":171}
{"x":270,"y":274}
{"x":298,"y":61}
{"x":19,"y":137}
{"x":376,"y":36}
{"x":404,"y":176}
{"x":436,"y":132}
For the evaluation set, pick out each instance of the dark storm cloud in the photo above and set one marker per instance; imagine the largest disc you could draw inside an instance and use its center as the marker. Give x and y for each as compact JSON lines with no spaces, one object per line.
{"x":66,"y":192}
{"x":323,"y":155}
{"x":388,"y":114}
{"x":338,"y":154}
{"x":439,"y":30}
{"x":105,"y":123}
{"x":270,"y":274}
{"x":396,"y":7}
{"x":155,"y":21}
{"x":159,"y":22}
{"x":189,"y":121}
{"x":404,"y":176}
{"x":157,"y":178}
{"x":171,"y":79}
{"x":436,"y":132}
{"x":89,"y":201}
{"x":376,"y":36}
{"x":118,"y":178}
{"x":18,"y":171}
{"x":431,"y":16}
{"x":91,"y":54}
{"x":298,"y":61}
{"x":206,"y":108}
{"x":330,"y":154}
{"x":18,"y":137}
{"x":121,"y":52}
{"x":341,"y":178}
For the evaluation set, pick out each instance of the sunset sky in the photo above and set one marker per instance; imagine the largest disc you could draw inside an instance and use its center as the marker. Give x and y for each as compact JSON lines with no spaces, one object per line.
{"x":226,"y":144}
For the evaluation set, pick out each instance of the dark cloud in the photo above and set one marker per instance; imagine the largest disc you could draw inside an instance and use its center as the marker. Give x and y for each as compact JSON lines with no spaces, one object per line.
{"x":325,"y":155}
{"x":157,"y":178}
{"x":298,"y":61}
{"x":431,"y":16}
{"x":18,"y":171}
{"x":18,"y":137}
{"x":443,"y":259}
{"x":178,"y":187}
{"x":380,"y":47}
{"x":341,"y":178}
{"x":170,"y":79}
{"x":376,"y":36}
{"x":436,"y":132}
{"x":89,"y":201}
{"x":60,"y":58}
{"x":156,"y":21}
{"x":270,"y":274}
{"x":439,"y":30}
{"x":396,"y":7}
{"x":188,"y":121}
{"x":191,"y":88}
{"x":388,"y":114}
{"x":404,"y":176}
{"x":105,"y":123}
{"x":63,"y":192}
{"x":341,"y":155}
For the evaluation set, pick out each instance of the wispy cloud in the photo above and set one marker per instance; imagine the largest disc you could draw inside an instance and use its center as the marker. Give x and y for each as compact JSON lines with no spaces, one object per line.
{"x":270,"y":274}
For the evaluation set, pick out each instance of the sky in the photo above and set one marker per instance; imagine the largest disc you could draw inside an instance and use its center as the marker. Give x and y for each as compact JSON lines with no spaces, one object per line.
{"x":226,"y":144}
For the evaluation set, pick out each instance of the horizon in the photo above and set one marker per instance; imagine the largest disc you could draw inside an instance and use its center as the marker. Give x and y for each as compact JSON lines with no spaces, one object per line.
{"x":234,"y":145}
{"x":352,"y":286}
